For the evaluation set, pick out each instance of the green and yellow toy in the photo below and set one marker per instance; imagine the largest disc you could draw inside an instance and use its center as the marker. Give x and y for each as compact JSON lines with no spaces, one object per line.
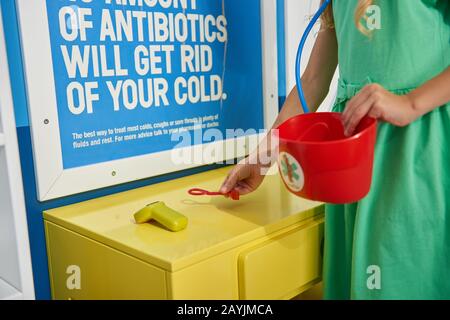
{"x":158,"y":211}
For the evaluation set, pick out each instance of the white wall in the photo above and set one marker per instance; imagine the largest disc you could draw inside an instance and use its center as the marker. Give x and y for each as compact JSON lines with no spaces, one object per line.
{"x":298,"y":14}
{"x":16,"y":279}
{"x":9,"y":258}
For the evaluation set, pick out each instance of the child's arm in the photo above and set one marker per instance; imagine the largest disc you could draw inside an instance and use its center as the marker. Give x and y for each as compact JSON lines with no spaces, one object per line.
{"x":432,"y":94}
{"x":375,"y":101}
{"x":316,"y":79}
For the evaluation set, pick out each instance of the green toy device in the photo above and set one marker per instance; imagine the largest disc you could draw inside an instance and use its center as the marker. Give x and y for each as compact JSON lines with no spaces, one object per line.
{"x":158,"y":211}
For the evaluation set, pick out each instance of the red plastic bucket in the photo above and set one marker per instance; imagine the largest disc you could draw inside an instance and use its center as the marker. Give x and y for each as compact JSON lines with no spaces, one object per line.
{"x":318,"y":162}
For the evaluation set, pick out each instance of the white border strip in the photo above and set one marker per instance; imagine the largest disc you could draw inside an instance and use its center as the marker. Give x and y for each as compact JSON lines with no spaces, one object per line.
{"x":14,"y":176}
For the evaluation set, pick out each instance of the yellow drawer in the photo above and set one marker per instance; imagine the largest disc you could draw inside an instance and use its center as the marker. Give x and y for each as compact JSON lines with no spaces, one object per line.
{"x":282,"y":267}
{"x":104,"y":273}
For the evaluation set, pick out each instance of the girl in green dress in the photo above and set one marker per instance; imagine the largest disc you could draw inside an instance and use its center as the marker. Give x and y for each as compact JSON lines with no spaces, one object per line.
{"x":394,"y":65}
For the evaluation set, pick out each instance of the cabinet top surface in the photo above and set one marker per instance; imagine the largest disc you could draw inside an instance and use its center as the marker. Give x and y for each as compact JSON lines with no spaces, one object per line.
{"x":216,"y":224}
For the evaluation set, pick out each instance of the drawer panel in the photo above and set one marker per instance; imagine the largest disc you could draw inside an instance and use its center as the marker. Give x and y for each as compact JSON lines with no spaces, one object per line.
{"x":102,"y":272}
{"x":282,"y":265}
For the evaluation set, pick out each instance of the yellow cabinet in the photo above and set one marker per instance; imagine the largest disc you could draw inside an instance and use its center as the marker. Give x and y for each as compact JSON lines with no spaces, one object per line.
{"x":265,"y":246}
{"x":104,"y":273}
{"x":283,"y":266}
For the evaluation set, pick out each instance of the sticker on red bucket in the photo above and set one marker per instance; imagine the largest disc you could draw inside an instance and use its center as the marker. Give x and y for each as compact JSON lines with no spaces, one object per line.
{"x":291,"y":172}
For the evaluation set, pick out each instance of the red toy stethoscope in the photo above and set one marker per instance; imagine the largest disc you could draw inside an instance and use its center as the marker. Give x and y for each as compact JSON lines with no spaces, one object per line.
{"x":233,"y":194}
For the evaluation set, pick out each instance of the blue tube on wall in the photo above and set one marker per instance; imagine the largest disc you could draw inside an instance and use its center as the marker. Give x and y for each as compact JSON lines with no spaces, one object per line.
{"x":298,"y":65}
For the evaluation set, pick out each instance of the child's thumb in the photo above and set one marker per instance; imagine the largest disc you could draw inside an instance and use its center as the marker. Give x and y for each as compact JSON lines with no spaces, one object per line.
{"x":229,"y":183}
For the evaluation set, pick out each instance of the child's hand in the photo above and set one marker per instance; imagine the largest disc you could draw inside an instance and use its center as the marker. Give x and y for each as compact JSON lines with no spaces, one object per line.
{"x":244,"y":178}
{"x":375,"y":101}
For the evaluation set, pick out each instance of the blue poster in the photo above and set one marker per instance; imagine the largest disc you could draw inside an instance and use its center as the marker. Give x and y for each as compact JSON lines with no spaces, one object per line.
{"x":132,"y":75}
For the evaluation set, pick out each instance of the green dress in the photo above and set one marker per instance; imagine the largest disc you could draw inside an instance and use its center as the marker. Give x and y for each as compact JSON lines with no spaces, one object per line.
{"x":395,"y":243}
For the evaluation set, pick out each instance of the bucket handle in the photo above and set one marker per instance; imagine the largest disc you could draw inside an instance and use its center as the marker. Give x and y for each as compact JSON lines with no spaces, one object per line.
{"x":298,"y":65}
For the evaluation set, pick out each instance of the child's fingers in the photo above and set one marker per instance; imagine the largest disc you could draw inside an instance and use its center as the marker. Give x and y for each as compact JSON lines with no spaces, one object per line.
{"x":225,"y":186}
{"x":243,"y":188}
{"x":359,"y":98}
{"x":230,"y":181}
{"x":359,"y":112}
